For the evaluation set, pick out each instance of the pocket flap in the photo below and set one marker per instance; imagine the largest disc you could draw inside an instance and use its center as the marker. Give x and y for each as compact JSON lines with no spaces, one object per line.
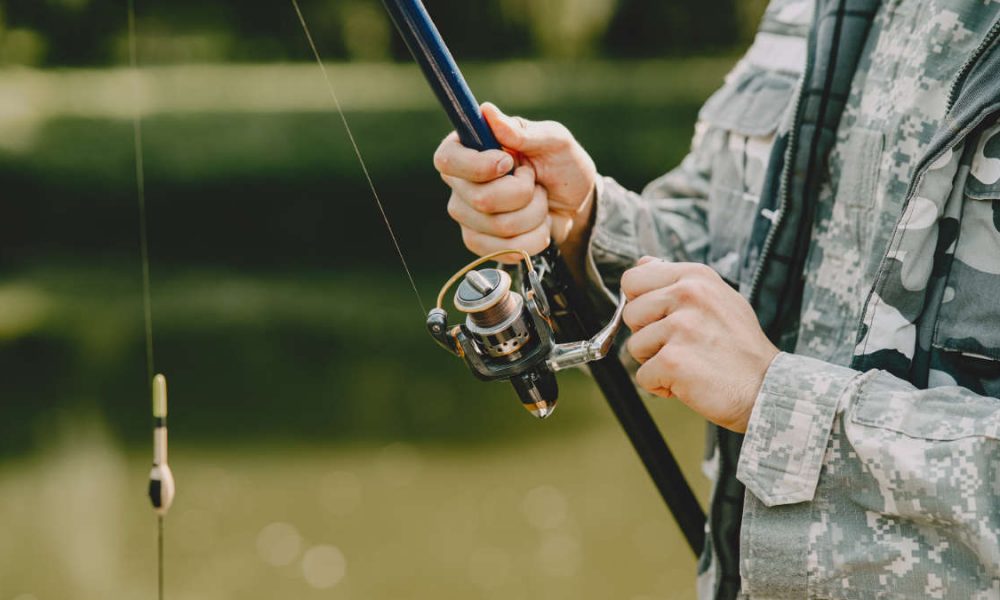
{"x":941,"y":414}
{"x":751,"y":103}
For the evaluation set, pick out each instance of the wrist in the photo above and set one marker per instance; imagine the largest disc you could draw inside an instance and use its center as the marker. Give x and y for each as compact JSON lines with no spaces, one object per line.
{"x":745,"y":404}
{"x":574,"y":246}
{"x":583,"y":219}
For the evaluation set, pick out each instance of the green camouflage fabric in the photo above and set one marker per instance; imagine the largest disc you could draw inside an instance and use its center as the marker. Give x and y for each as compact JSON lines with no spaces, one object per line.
{"x":872,"y":461}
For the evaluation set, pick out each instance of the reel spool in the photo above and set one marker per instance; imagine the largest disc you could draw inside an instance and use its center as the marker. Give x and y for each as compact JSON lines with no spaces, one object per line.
{"x":508,"y":334}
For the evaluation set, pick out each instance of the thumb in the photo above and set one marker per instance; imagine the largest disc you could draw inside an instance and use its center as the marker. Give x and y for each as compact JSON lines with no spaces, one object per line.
{"x":520,"y":134}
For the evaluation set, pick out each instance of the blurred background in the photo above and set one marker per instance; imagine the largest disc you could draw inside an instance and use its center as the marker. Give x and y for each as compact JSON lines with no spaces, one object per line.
{"x":323,"y":446}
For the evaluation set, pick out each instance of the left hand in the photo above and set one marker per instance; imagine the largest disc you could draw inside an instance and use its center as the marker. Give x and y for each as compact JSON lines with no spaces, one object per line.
{"x":696,"y":338}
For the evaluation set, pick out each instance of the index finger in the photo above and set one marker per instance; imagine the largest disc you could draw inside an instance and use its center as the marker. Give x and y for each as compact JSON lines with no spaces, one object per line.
{"x":652,"y":275}
{"x":455,"y":160}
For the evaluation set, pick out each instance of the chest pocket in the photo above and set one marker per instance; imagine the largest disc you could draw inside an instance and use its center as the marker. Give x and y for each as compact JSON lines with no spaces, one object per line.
{"x":739,"y":124}
{"x":967,"y":334}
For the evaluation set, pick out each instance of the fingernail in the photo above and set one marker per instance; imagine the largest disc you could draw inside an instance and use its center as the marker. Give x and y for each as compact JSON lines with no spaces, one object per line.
{"x":505,"y":165}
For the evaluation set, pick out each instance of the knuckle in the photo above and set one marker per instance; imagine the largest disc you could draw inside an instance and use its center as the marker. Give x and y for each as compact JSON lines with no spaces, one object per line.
{"x":526,"y":189}
{"x":646,"y":378}
{"x":628,"y":281}
{"x":629,"y":318}
{"x":454,"y":208}
{"x":467,"y":237}
{"x":681,"y":325}
{"x":538,"y":209}
{"x":634,"y":347}
{"x":662,"y":297}
{"x":685,"y":290}
{"x":704,"y":289}
{"x":540,"y":193}
{"x":519,"y":129}
{"x":666,"y":361}
{"x":704,"y":270}
{"x":473,"y":241}
{"x":506,"y":226}
{"x":559,"y":134}
{"x":441,"y":160}
{"x":480,"y":201}
{"x":631,"y":349}
{"x":698,"y":289}
{"x":537,"y":242}
{"x":484,"y":169}
{"x":664,"y":329}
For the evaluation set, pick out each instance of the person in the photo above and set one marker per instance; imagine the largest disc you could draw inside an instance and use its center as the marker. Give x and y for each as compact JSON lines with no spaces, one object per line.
{"x":821,"y":273}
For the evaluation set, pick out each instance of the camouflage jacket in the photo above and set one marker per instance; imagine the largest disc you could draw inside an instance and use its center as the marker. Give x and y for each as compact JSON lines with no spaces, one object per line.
{"x":846,"y":178}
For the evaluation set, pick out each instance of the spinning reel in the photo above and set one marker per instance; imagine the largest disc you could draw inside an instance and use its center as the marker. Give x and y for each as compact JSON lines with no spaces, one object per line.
{"x":508,"y":334}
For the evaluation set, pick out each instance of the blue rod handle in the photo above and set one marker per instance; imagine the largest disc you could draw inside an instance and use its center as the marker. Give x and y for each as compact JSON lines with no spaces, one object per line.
{"x":434,"y":58}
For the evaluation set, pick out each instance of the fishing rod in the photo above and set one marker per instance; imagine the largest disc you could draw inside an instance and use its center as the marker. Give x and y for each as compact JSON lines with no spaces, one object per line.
{"x":515,"y":335}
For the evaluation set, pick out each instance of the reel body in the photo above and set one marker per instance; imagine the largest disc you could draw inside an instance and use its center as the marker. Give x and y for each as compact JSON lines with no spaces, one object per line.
{"x":508,"y":334}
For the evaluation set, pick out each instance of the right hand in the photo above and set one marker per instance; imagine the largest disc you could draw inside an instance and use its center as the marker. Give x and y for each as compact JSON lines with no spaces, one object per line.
{"x":548,"y":197}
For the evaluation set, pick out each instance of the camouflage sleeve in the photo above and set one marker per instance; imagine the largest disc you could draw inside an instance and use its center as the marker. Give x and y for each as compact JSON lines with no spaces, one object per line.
{"x":790,"y":426}
{"x":854,"y":476}
{"x":668,"y":219}
{"x":886,"y":422}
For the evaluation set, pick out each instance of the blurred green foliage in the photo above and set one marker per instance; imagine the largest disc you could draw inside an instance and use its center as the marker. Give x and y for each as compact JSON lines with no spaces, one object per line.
{"x":279,"y":303}
{"x":245,"y":186}
{"x":92,"y":32}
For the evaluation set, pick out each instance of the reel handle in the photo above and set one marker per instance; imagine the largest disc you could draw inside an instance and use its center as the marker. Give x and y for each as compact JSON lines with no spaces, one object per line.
{"x":574,"y":354}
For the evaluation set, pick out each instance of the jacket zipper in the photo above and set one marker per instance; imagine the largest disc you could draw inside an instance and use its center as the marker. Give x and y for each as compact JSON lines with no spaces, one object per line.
{"x":963,"y":73}
{"x":967,"y":67}
{"x":786,"y":179}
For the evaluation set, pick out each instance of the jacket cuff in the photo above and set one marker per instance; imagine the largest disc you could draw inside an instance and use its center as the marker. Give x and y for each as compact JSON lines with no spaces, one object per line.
{"x":611,"y":249}
{"x":614,"y":224}
{"x":790,"y":428}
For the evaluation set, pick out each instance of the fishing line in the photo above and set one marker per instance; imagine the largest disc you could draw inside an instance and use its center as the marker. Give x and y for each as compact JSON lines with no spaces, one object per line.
{"x":357,"y":152}
{"x":159,"y":556}
{"x":147,"y":305}
{"x":140,"y":180}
